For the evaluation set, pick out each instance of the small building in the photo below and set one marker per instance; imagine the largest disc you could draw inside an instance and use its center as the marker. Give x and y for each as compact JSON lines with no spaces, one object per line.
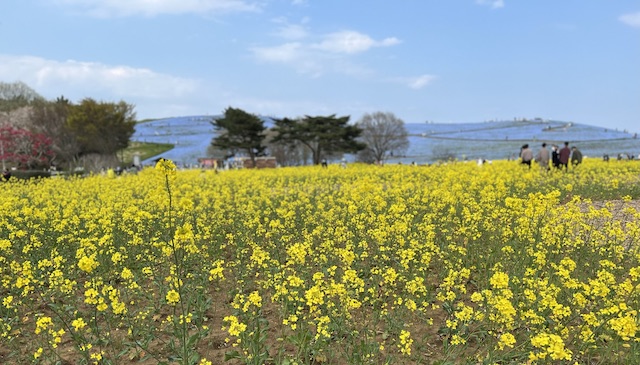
{"x":261,"y":162}
{"x":245,"y":162}
{"x":237,"y":163}
{"x":210,"y":162}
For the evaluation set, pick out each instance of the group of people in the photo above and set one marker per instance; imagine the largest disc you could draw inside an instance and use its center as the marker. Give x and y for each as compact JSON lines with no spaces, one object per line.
{"x":559,"y":158}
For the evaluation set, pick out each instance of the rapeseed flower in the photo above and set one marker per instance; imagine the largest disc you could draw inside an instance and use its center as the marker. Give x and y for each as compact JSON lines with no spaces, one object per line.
{"x":506,"y":340}
{"x":499,"y":280}
{"x":166,"y":167}
{"x":172,"y":297}
{"x":78,"y":324}
{"x":625,"y":325}
{"x":43,"y":323}
{"x":6,"y":301}
{"x":405,"y":342}
{"x":551,"y":345}
{"x":235,"y":326}
{"x":88,"y":264}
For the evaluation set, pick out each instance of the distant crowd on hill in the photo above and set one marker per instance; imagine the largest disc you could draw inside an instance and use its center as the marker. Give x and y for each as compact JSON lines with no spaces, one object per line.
{"x":559,"y":158}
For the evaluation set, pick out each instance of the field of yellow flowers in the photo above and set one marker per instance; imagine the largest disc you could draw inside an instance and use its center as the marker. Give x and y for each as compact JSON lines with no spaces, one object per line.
{"x":441,"y":264}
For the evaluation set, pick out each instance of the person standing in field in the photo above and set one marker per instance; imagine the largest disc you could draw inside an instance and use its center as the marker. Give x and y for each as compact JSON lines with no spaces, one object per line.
{"x":576,"y":156}
{"x":526,"y":155}
{"x":542,"y":158}
{"x":565,"y":153}
{"x":555,"y":156}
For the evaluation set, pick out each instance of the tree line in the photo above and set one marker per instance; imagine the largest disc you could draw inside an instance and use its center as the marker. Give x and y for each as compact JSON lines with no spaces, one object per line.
{"x":36,"y":133}
{"x":372,"y":138}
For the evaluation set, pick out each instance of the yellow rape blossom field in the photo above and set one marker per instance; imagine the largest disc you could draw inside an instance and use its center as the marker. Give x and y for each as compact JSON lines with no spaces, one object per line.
{"x":441,"y":264}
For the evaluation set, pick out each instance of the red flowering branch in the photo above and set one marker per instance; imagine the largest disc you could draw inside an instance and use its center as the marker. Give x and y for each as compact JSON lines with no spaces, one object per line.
{"x":25,"y":149}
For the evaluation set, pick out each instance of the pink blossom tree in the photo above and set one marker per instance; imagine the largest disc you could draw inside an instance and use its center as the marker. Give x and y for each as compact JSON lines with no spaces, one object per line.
{"x":24,"y":149}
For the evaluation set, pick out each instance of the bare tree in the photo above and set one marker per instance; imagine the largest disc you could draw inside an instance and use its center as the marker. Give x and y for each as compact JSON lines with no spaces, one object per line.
{"x":444,"y":155}
{"x":288,"y":154}
{"x":384,"y":134}
{"x":50,"y":118}
{"x":18,"y":91}
{"x":15,"y":100}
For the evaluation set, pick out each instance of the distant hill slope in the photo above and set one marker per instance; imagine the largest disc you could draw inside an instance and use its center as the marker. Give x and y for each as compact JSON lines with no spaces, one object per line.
{"x":429,"y":142}
{"x":503,"y":139}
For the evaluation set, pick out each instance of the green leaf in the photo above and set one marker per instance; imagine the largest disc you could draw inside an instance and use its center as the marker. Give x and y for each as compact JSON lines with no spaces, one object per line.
{"x":194,"y":358}
{"x":231,"y":355}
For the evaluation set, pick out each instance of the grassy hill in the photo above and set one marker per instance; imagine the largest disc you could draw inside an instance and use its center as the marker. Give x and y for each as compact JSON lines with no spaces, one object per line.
{"x":145,"y":150}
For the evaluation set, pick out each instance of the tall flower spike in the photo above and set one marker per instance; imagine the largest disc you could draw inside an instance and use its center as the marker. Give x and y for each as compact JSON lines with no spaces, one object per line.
{"x":167,"y":167}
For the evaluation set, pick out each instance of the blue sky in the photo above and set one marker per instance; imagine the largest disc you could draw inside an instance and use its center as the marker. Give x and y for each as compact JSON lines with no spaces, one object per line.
{"x":423,"y":60}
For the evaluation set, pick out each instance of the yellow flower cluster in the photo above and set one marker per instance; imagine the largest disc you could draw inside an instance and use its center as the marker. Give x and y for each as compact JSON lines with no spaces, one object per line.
{"x":172,"y":297}
{"x":550,"y":345}
{"x":235,"y":326}
{"x":405,"y":342}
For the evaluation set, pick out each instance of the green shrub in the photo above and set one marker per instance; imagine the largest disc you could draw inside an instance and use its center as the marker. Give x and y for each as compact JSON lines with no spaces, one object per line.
{"x":30,"y":174}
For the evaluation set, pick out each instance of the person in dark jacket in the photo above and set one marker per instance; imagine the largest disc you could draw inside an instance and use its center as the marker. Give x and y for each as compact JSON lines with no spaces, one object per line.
{"x":576,"y":156}
{"x":555,"y":156}
{"x":565,"y":153}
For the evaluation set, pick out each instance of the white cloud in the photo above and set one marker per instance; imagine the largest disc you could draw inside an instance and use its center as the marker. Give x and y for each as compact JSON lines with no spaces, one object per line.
{"x":294,"y":55}
{"x":632,"y":19}
{"x":350,"y":42}
{"x":333,"y":53}
{"x":78,"y":80}
{"x":107,"y":8}
{"x":330,"y":54}
{"x":417,"y":82}
{"x":420,"y":81}
{"x":285,"y":53}
{"x":495,"y":4}
{"x":292,"y":32}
